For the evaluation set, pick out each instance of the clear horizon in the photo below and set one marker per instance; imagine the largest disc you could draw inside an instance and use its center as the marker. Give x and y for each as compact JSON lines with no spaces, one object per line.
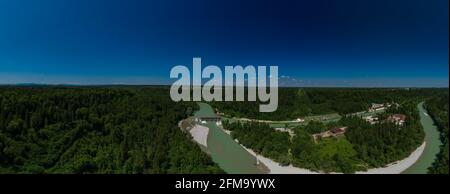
{"x":284,"y":81}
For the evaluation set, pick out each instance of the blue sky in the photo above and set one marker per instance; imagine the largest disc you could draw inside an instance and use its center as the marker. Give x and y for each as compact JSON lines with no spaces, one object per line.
{"x":314,"y":43}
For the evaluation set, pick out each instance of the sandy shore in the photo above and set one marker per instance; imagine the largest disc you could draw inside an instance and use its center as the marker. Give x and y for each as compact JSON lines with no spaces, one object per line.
{"x":200,"y":134}
{"x":275,"y":167}
{"x":399,"y":166}
{"x":393,"y":168}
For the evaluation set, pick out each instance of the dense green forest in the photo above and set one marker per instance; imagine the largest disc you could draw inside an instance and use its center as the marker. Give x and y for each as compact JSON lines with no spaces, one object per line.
{"x":385,"y":142}
{"x":96,"y":130}
{"x":134,"y":130}
{"x":364,"y":145}
{"x":299,"y":102}
{"x":438,"y":109}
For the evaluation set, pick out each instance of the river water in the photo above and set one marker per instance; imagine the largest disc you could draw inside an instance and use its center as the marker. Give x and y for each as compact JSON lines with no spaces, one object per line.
{"x":432,"y":147}
{"x":228,"y":154}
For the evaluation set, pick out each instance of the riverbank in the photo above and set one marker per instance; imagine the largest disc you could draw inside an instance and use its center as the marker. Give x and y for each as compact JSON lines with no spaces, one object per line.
{"x":229,"y":155}
{"x":393,"y":168}
{"x":272,"y":166}
{"x":276,"y":168}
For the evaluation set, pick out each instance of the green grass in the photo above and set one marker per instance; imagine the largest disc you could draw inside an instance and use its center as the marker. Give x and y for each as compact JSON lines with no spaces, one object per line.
{"x":328,"y":147}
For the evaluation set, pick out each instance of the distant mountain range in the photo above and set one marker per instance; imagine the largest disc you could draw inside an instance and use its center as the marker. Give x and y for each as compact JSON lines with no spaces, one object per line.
{"x":281,"y":85}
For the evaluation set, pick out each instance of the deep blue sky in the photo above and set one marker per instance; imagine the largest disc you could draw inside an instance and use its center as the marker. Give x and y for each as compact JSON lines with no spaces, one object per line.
{"x":314,"y":43}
